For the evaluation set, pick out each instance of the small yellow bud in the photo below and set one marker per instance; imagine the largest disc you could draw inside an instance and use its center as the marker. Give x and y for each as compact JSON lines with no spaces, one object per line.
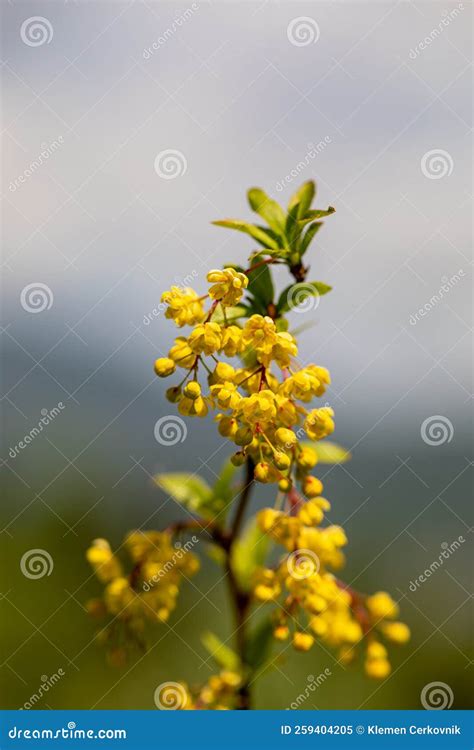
{"x":302,"y":641}
{"x":281,"y":460}
{"x":227,"y":427}
{"x":397,"y":632}
{"x":224,"y":372}
{"x":285,"y":437}
{"x":376,"y":650}
{"x":164,"y":367}
{"x":307,"y":458}
{"x":262,"y":472}
{"x":281,"y":632}
{"x":192,"y":390}
{"x":284,"y":485}
{"x":381,"y":605}
{"x":378,"y":668}
{"x":312,"y":487}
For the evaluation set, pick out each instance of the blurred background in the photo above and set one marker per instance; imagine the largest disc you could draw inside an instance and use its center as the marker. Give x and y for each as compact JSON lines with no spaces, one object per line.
{"x":370,"y":99}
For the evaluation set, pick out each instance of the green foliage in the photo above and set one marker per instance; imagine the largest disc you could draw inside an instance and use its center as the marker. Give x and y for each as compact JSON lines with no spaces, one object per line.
{"x":249,"y":553}
{"x":289,"y":233}
{"x":196,"y":495}
{"x":295,"y":294}
{"x":224,"y":656}
{"x":329,"y":452}
{"x":259,"y":644}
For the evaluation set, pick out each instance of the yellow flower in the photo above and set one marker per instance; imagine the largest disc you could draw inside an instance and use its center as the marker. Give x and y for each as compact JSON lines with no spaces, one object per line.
{"x":381,"y":606}
{"x":378,"y":668}
{"x":312,"y":486}
{"x":397,"y":632}
{"x":302,"y":641}
{"x":260,"y":334}
{"x":227,"y":285}
{"x":103,"y":561}
{"x":225,"y":395}
{"x":303,"y":385}
{"x":311,"y":514}
{"x":182,"y":354}
{"x":184,"y":306}
{"x":206,"y":338}
{"x":231,"y":343}
{"x":319,"y":423}
{"x":259,"y":407}
{"x":267,"y":586}
{"x":284,"y":349}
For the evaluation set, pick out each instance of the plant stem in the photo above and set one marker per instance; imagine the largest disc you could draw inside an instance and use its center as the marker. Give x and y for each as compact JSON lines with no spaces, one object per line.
{"x":240,"y":598}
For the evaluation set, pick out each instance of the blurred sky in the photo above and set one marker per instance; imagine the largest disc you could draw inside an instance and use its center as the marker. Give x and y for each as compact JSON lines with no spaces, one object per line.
{"x":106,"y":234}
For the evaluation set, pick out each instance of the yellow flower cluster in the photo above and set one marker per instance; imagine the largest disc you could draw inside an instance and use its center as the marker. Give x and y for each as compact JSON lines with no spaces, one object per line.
{"x":219,"y":693}
{"x":256,"y":411}
{"x":313,"y":603}
{"x":147,"y":593}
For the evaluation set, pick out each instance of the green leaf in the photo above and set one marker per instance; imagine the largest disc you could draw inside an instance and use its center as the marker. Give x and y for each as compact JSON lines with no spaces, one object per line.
{"x":268,"y":209}
{"x":249,"y":553}
{"x":260,"y":281}
{"x":224,"y":656}
{"x":231,"y":314}
{"x":303,"y":197}
{"x":259,"y":644}
{"x":316,"y":214}
{"x":191,"y":491}
{"x":223,"y":489}
{"x":329,"y":452}
{"x":262,"y":236}
{"x":295,"y":294}
{"x":309,"y":235}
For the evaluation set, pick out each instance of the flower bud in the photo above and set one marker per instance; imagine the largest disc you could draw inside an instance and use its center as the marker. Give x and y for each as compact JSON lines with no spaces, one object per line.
{"x":164,"y":367}
{"x":173,"y":394}
{"x":192,"y":390}
{"x":281,"y":460}
{"x":285,"y":437}
{"x":243,"y":436}
{"x":238,"y":458}
{"x":312,"y":487}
